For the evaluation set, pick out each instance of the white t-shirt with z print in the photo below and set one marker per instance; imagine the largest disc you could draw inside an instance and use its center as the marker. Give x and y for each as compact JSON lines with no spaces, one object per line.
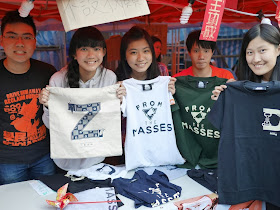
{"x":150,"y":138}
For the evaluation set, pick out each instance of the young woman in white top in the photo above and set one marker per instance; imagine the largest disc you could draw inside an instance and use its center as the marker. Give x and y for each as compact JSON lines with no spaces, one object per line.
{"x":138,"y":59}
{"x":86,"y":69}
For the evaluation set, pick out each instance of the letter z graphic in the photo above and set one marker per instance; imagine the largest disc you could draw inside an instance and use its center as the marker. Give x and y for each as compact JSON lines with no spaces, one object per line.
{"x":78,"y":132}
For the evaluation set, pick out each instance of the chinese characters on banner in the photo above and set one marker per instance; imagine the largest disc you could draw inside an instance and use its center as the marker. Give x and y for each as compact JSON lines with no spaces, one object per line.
{"x":277,"y":17}
{"x":212,"y":20}
{"x":80,"y":13}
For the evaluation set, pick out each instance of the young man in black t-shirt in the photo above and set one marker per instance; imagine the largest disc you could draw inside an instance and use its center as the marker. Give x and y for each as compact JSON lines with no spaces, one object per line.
{"x":24,"y":139}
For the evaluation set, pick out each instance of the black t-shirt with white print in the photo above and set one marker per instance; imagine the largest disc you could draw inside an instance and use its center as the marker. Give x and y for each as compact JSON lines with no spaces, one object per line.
{"x":248,"y":116}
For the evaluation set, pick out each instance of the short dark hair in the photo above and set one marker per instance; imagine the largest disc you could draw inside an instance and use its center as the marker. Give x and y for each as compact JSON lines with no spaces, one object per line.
{"x":268,"y":33}
{"x":124,"y":70}
{"x":193,"y":38}
{"x":14,"y":17}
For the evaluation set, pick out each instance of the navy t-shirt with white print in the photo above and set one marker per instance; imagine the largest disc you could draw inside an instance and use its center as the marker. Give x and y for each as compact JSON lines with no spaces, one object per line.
{"x":248,"y":116}
{"x":148,"y":190}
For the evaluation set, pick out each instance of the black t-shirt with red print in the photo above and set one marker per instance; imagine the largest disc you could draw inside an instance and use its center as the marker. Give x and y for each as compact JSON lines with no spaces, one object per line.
{"x":23,"y":135}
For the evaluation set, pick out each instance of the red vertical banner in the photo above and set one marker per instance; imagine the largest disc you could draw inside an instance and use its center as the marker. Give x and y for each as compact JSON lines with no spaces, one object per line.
{"x":212,"y":20}
{"x":277,"y":17}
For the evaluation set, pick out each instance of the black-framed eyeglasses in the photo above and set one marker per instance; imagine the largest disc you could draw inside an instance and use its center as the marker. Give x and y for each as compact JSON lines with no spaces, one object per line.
{"x":14,"y":37}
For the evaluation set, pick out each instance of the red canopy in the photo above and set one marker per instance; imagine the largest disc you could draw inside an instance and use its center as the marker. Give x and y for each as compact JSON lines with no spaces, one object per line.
{"x":162,"y":11}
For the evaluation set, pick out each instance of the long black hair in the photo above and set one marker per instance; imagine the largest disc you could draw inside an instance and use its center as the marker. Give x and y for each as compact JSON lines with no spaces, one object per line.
{"x":271,"y":35}
{"x":124,"y":70}
{"x":156,"y":39}
{"x":83,"y":37}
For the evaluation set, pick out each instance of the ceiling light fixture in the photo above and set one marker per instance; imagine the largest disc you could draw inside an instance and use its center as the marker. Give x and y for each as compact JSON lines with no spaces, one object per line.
{"x":187,"y":12}
{"x":25,"y":8}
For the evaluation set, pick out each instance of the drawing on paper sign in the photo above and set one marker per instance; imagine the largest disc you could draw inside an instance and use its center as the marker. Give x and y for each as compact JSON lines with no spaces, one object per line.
{"x":79,"y":13}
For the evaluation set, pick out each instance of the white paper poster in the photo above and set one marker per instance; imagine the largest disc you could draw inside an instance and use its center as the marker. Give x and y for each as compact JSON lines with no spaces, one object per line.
{"x":80,"y":13}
